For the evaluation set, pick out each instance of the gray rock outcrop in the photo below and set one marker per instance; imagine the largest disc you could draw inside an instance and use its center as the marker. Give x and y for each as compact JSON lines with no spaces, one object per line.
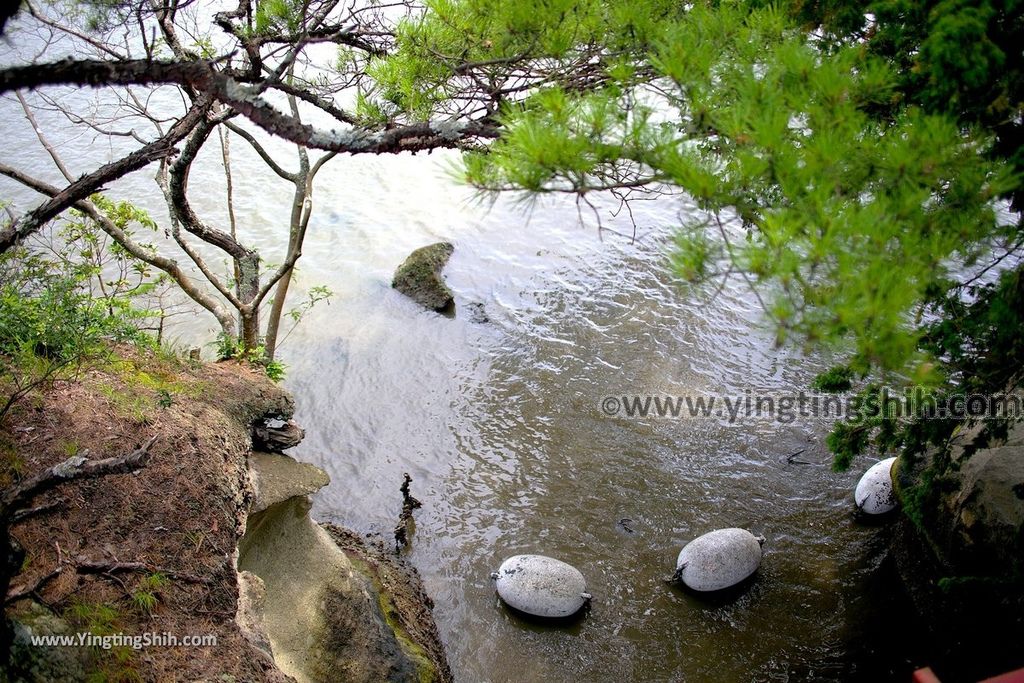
{"x":313,"y":596}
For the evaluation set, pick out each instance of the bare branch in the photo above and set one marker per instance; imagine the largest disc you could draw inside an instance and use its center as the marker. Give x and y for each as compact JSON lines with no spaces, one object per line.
{"x":260,"y":150}
{"x":14,"y":596}
{"x":98,"y":45}
{"x":75,"y":467}
{"x":168,"y":265}
{"x":87,"y":566}
{"x":90,"y":183}
{"x":20,"y":515}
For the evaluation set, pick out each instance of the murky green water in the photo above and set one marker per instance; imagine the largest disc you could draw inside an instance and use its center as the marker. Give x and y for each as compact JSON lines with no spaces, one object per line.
{"x":500,"y":424}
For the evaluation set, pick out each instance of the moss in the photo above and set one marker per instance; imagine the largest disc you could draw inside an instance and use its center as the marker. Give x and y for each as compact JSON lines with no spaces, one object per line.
{"x":12,"y":465}
{"x":138,"y":383}
{"x":426,"y":672}
{"x":158,"y":374}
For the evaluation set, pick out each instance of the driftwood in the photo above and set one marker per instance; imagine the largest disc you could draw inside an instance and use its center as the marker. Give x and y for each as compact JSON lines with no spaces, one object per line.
{"x":274,"y":435}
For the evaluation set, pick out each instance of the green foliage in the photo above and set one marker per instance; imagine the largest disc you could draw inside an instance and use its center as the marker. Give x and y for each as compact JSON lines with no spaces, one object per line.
{"x":917,"y":499}
{"x":273,"y":16}
{"x":316,"y":295}
{"x":228,"y":348}
{"x":165,"y":399}
{"x":100,"y":618}
{"x":275,"y":369}
{"x":65,"y":299}
{"x":949,"y":584}
{"x":979,"y":336}
{"x":127,"y":402}
{"x":11,"y":464}
{"x":117,"y":664}
{"x":984,"y":317}
{"x":420,"y":77}
{"x":848,"y":166}
{"x":834,"y":380}
{"x":146,"y":595}
{"x":47,"y":314}
{"x":851,"y":218}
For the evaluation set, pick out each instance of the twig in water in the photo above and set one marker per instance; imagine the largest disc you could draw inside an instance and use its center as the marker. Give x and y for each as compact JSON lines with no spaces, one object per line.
{"x":409,"y":503}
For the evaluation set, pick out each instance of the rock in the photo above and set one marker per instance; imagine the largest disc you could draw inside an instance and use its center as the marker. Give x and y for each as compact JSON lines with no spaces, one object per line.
{"x":960,"y":549}
{"x":252,"y":596}
{"x":324,"y":617}
{"x":541,"y":586}
{"x":477,"y":313}
{"x":419,"y":277}
{"x":874,"y":494}
{"x":34,"y":663}
{"x":719,"y":559}
{"x":973,"y":510}
{"x":275,"y":434}
{"x":276,"y":478}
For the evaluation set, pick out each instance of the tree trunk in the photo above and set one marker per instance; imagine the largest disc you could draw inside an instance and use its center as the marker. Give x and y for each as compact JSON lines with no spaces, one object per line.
{"x":248,"y":292}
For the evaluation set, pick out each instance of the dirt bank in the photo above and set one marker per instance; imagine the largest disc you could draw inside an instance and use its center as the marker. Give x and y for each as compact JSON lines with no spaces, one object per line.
{"x":154,"y":551}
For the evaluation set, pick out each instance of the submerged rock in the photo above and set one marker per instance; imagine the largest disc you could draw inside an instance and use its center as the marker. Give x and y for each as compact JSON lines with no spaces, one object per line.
{"x":719,"y":559}
{"x":419,"y":277}
{"x":477,"y":313}
{"x":541,"y":586}
{"x":874,"y":494}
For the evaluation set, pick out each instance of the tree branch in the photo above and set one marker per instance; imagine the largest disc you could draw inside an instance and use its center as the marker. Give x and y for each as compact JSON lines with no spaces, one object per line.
{"x":260,"y":150}
{"x":169,"y":266}
{"x":75,"y":467}
{"x":90,"y":183}
{"x":86,"y":566}
{"x":182,"y":209}
{"x":201,"y":75}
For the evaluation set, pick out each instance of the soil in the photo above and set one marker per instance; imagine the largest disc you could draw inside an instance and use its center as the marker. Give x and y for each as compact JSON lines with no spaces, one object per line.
{"x":181,"y":516}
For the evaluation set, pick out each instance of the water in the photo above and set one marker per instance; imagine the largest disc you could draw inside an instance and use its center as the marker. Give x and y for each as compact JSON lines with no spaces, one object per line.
{"x":501,"y":427}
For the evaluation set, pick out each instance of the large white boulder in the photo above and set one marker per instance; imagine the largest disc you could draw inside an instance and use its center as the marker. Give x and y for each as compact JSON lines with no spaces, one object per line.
{"x":874,"y":494}
{"x":719,"y":559}
{"x":541,"y":586}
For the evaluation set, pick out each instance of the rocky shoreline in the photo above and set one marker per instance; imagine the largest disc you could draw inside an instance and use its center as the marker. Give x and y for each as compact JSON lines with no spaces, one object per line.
{"x":211,"y":538}
{"x":959,"y":549}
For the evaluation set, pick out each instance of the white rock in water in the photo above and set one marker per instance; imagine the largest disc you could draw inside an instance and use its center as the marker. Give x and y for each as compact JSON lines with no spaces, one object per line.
{"x":719,"y":559}
{"x":874,"y":494}
{"x":541,"y":586}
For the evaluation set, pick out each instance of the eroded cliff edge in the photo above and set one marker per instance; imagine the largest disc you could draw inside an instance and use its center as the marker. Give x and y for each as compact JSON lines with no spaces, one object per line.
{"x":209,"y":539}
